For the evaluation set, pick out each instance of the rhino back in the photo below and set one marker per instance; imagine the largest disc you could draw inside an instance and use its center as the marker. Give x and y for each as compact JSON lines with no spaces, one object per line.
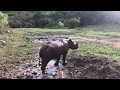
{"x":54,"y":49}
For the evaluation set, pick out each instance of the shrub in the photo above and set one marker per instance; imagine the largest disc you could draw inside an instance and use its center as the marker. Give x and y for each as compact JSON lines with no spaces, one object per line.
{"x":3,"y":22}
{"x":72,"y":23}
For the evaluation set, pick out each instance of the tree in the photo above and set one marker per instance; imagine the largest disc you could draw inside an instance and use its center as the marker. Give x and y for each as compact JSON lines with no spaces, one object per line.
{"x":72,"y":23}
{"x":21,"y":20}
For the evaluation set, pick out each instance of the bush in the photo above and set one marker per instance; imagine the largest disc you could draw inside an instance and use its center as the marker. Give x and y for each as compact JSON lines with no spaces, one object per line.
{"x":3,"y":19}
{"x":51,"y":24}
{"x":3,"y":22}
{"x":21,"y":20}
{"x":72,"y":23}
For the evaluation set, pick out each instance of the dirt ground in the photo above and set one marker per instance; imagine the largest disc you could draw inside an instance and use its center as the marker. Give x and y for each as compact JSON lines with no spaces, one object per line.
{"x":86,"y":67}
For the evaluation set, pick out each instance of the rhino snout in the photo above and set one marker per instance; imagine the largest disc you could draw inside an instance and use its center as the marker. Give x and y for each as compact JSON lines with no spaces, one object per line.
{"x":76,"y":45}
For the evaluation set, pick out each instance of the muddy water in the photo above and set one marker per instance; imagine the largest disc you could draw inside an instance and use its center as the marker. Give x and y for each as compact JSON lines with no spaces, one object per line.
{"x":33,"y":71}
{"x":51,"y":71}
{"x":41,"y":41}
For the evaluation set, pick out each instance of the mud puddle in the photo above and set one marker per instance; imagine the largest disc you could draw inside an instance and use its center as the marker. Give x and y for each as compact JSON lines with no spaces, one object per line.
{"x":51,"y":71}
{"x":44,"y":40}
{"x":41,"y":41}
{"x":31,"y":70}
{"x":34,"y":72}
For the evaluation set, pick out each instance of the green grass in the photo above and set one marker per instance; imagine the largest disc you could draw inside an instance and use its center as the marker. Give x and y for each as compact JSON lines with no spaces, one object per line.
{"x":100,"y":31}
{"x":99,"y":50}
{"x":90,"y":31}
{"x":50,"y":31}
{"x":17,"y":48}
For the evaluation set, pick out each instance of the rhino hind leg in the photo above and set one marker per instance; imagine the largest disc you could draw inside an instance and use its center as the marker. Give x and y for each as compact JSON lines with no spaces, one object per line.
{"x":57,"y":62}
{"x":44,"y":64}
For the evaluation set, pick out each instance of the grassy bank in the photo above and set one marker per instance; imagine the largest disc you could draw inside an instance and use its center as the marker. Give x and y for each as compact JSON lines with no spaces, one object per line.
{"x":17,"y":48}
{"x":99,"y":50}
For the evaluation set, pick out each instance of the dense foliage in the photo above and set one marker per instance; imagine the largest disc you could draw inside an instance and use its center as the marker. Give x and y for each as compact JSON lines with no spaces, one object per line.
{"x":60,"y":19}
{"x":3,"y":22}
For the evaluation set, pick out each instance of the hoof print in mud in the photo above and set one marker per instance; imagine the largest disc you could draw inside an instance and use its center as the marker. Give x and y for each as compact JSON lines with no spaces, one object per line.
{"x":34,"y":73}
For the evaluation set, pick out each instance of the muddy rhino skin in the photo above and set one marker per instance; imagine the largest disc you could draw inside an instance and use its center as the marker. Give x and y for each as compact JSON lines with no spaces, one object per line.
{"x":54,"y":50}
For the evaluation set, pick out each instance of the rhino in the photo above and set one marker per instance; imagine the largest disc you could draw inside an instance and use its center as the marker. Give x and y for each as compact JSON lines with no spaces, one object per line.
{"x":54,"y":50}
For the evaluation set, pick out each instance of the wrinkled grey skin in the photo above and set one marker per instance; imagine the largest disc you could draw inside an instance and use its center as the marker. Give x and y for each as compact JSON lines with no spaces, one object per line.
{"x":54,"y":50}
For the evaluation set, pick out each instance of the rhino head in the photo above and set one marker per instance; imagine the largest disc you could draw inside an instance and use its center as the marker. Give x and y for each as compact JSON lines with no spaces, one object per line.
{"x":72,"y":44}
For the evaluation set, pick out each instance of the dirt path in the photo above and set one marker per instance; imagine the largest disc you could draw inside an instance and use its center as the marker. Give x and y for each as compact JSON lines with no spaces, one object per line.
{"x":114,"y":42}
{"x":82,"y":68}
{"x":111,"y":42}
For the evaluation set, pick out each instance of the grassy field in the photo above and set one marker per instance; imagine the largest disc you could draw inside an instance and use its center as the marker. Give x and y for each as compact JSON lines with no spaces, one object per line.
{"x":90,"y":31}
{"x":96,"y":50}
{"x":19,"y":48}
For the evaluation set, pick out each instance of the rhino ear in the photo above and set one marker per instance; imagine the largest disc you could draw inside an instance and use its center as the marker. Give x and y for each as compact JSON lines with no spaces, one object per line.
{"x":70,"y":40}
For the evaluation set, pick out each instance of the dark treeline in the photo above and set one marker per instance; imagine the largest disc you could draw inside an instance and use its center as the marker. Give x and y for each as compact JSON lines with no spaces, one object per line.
{"x":60,"y":19}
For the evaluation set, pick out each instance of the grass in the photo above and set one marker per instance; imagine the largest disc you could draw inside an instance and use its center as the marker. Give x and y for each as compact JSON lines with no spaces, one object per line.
{"x":19,"y":48}
{"x":50,"y":31}
{"x":91,"y":49}
{"x":100,"y":31}
{"x":90,"y":31}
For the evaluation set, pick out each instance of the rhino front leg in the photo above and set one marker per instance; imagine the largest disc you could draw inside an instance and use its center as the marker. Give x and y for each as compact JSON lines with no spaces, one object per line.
{"x":57,"y":62}
{"x":64,"y":57}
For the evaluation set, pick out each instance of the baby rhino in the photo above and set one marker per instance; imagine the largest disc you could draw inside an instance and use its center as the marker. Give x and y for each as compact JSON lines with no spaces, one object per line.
{"x":54,"y":50}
